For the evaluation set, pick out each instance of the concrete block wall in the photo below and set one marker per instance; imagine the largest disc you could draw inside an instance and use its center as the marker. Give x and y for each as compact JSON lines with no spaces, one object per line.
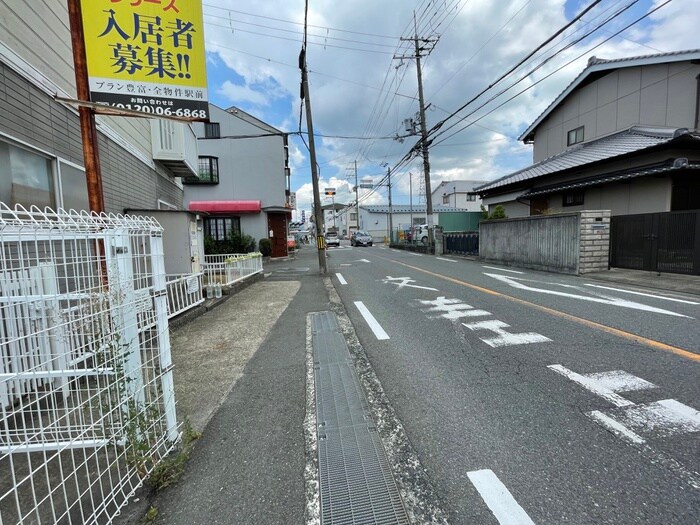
{"x":594,"y":241}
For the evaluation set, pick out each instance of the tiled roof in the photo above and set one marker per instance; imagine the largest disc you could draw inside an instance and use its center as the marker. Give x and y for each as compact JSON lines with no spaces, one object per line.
{"x":629,"y":141}
{"x":600,"y":64}
{"x":613,"y":177}
{"x":405,"y":208}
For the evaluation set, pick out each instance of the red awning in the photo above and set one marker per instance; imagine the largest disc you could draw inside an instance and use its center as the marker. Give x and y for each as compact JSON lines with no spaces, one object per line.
{"x":226,"y":206}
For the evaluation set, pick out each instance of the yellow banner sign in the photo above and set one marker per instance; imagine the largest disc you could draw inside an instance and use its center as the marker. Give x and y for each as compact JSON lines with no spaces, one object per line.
{"x":147,"y":55}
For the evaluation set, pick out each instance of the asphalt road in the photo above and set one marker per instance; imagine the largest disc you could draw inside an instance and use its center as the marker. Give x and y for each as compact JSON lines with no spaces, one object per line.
{"x":534,"y":396}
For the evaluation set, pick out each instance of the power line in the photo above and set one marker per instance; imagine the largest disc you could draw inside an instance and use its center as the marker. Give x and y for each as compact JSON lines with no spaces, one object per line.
{"x":560,"y":68}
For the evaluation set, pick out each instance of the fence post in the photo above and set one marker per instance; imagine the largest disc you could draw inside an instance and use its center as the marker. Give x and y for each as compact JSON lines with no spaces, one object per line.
{"x":120,"y":273}
{"x":60,"y":351}
{"x":160,"y":298}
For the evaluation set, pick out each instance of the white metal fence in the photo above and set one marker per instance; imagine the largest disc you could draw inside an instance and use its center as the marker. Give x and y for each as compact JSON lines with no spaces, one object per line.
{"x":227,"y":269}
{"x":87,"y":406}
{"x":184,"y":292}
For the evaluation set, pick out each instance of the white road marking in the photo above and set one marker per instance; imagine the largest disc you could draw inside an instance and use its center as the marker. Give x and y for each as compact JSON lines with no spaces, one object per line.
{"x":616,"y":428}
{"x":341,"y":279}
{"x":592,"y":385}
{"x":416,"y":254}
{"x":514,"y":282}
{"x":498,"y":499}
{"x":504,"y":338}
{"x":659,"y":419}
{"x":502,"y":270}
{"x":345,"y":264}
{"x":621,"y":381}
{"x":371,"y":321}
{"x":644,"y":294}
{"x":402,"y":282}
{"x":446,"y":260}
{"x":452,"y":308}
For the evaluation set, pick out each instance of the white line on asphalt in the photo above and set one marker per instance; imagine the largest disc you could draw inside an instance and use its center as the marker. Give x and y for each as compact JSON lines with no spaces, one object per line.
{"x":515,"y":283}
{"x":371,"y":321}
{"x":592,"y":386}
{"x":443,"y":259}
{"x":505,"y":338}
{"x":502,"y":269}
{"x":616,"y":428}
{"x":644,"y":294}
{"x":417,"y":254}
{"x":341,"y":279}
{"x":497,"y":497}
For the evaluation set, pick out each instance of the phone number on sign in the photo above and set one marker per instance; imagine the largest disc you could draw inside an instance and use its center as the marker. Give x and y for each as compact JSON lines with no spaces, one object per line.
{"x":160,"y":110}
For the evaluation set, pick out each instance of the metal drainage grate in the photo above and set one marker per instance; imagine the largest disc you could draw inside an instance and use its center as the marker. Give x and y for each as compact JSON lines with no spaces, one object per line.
{"x":357,"y":486}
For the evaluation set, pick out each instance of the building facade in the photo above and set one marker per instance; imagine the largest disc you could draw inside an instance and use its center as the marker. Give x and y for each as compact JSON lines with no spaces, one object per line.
{"x":243,"y":179}
{"x":459,"y":194}
{"x":623,"y":136}
{"x":41,"y":157}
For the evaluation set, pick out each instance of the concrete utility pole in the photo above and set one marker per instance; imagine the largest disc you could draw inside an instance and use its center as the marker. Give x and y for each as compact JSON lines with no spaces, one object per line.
{"x":423,"y":125}
{"x":357,"y":200}
{"x":391,"y":209}
{"x":318,"y":212}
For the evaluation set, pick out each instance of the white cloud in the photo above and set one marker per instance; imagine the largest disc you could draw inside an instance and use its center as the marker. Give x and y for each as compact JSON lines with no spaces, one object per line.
{"x":368,"y":94}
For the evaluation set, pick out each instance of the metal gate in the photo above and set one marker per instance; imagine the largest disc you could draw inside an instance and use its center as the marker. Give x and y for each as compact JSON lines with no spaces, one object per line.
{"x":662,"y":242}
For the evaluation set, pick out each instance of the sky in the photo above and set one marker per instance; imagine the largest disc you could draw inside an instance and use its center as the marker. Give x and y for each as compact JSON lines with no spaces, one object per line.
{"x":363,"y":78}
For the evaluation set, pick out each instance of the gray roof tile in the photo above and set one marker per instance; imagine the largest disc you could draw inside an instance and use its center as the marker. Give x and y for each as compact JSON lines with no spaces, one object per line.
{"x":634,"y":139}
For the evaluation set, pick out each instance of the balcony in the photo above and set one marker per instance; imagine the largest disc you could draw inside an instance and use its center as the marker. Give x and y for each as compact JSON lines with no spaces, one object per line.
{"x":175,"y":145}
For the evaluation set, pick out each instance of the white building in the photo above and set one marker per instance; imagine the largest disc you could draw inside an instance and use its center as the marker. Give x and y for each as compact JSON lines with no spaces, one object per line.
{"x":458,"y":194}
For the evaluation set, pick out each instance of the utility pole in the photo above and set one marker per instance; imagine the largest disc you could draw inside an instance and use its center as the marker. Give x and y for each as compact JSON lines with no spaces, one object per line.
{"x":391,"y":209}
{"x":410,"y":200}
{"x":318,"y":212}
{"x":357,"y":201}
{"x":87,"y":115}
{"x":429,"y":44}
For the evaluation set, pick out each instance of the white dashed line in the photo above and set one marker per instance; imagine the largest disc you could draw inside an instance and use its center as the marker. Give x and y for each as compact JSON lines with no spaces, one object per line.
{"x":416,"y":254}
{"x":644,"y":294}
{"x":371,"y":321}
{"x":446,"y":260}
{"x":341,"y":279}
{"x":497,"y":497}
{"x":503,"y":270}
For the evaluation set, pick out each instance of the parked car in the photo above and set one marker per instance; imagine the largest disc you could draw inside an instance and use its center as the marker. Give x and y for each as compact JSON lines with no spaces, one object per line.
{"x":420,"y":233}
{"x":332,"y":239}
{"x":361,"y":238}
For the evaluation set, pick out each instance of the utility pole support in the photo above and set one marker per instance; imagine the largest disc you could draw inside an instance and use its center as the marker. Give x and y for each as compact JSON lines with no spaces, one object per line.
{"x":318,"y":212}
{"x":88,"y":128}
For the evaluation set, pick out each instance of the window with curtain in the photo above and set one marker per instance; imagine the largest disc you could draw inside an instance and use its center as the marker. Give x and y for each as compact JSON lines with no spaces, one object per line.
{"x":26,"y":177}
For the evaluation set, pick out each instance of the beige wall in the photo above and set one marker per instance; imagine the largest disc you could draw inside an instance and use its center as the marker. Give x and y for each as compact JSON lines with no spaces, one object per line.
{"x":662,"y":95}
{"x":38,"y":31}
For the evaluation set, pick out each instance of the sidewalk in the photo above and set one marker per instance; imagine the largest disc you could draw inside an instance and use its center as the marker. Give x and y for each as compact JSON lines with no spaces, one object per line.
{"x":670,"y":282}
{"x":240,"y":375}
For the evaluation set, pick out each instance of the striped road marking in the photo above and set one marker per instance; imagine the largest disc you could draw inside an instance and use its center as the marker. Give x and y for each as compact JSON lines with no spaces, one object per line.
{"x":371,"y":321}
{"x":603,"y":386}
{"x":497,"y":497}
{"x":341,"y":279}
{"x":446,"y":260}
{"x":644,"y":294}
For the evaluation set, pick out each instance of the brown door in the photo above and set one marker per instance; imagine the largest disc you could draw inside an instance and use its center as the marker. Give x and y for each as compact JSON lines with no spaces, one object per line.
{"x":277,"y":223}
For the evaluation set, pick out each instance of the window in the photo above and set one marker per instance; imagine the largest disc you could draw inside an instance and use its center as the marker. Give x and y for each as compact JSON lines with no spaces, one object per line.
{"x":471,"y":197}
{"x":26,"y":177}
{"x":353,"y":216}
{"x":574,"y":136}
{"x":445,"y":199}
{"x":573,"y":198}
{"x":212,"y":130}
{"x":73,"y":187}
{"x":208,"y":172}
{"x":221,"y":228}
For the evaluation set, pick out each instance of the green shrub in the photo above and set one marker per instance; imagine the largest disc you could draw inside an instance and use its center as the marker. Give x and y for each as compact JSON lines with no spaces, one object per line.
{"x":499,"y":212}
{"x":236,"y":243}
{"x":265,"y":247}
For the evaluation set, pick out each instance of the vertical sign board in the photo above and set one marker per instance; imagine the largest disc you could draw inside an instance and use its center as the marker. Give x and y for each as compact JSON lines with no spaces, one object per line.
{"x":147,"y":55}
